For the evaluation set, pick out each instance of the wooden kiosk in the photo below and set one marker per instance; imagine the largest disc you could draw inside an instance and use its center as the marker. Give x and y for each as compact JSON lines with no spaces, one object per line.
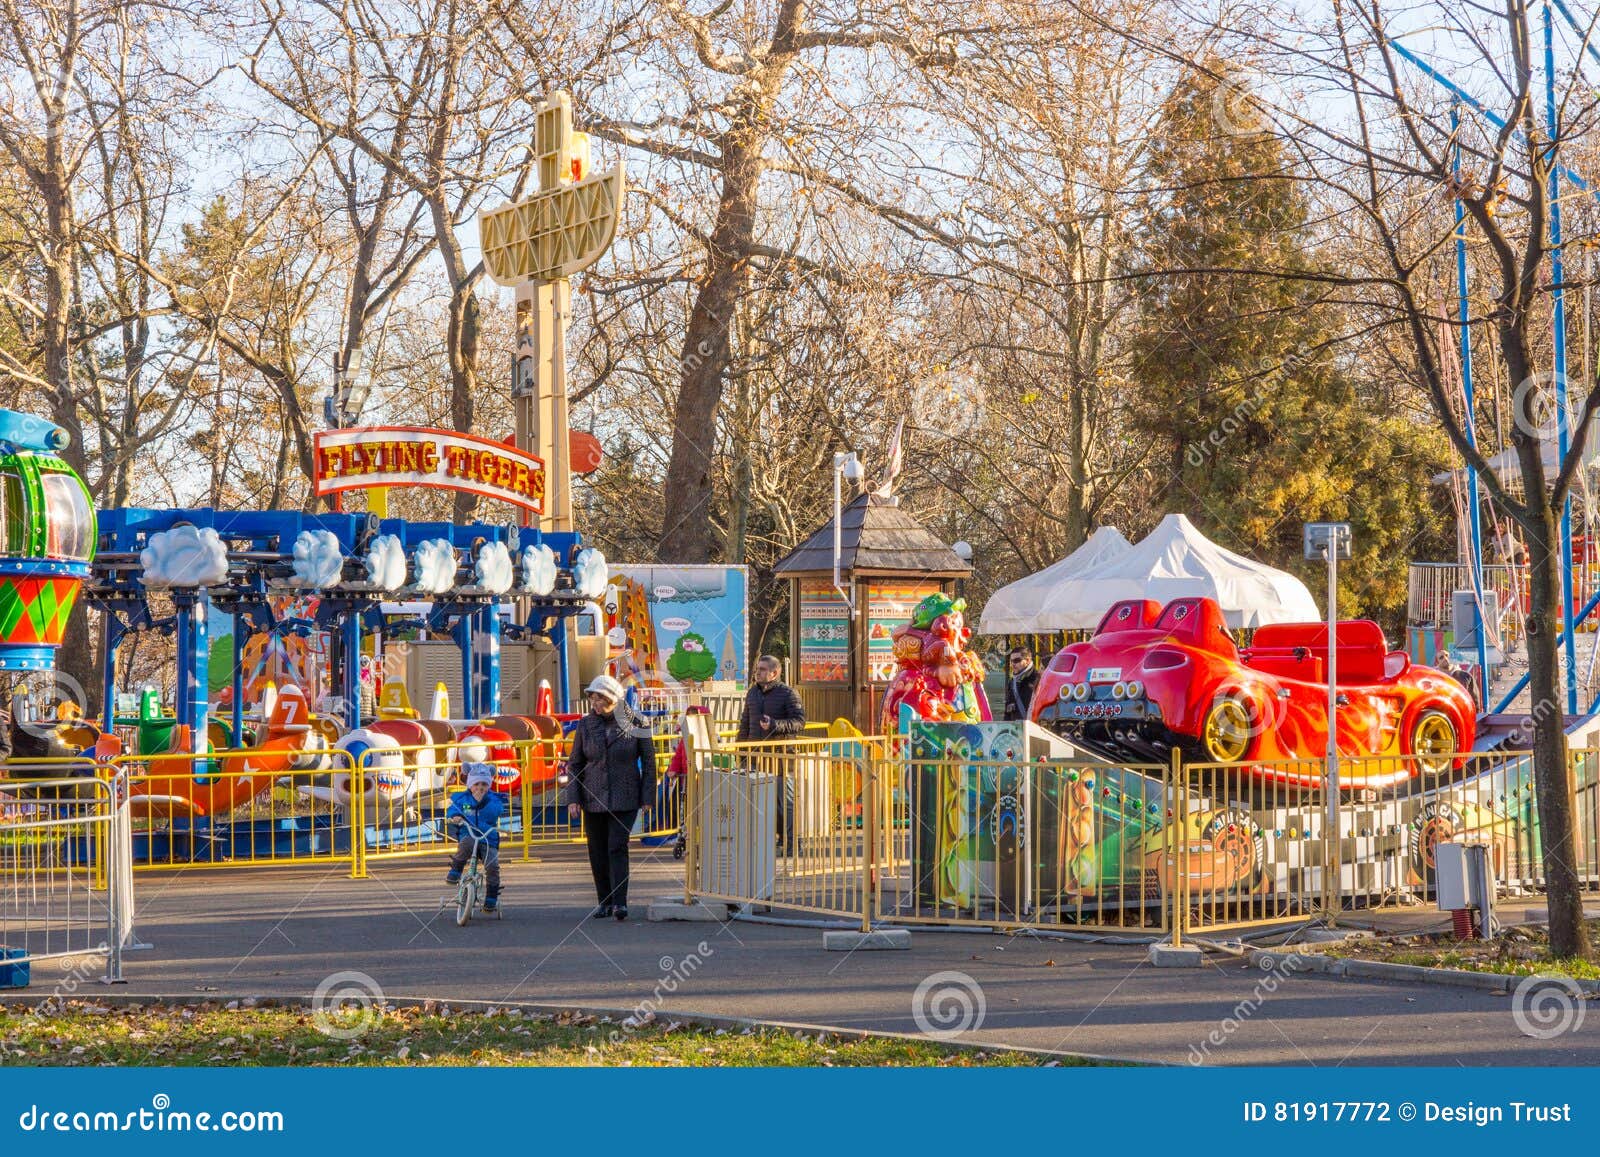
{"x":843,"y":659}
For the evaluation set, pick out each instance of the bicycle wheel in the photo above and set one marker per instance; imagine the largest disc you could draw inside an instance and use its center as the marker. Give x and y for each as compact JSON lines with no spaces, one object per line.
{"x":466,"y":900}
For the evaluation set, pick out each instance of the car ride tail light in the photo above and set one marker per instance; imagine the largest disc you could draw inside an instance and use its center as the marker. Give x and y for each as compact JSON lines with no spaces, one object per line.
{"x":1164,"y":660}
{"x":1119,"y":689}
{"x":1134,"y":689}
{"x":1080,"y":691}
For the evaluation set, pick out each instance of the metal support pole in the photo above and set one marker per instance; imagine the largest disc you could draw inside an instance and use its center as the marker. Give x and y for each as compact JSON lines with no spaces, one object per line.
{"x":487,"y":646}
{"x":192,"y":708}
{"x":236,"y":718}
{"x":1470,"y":423}
{"x":691,"y":772}
{"x":469,"y":690}
{"x":869,"y":838}
{"x":558,"y":637}
{"x":351,"y":681}
{"x":1559,"y":313}
{"x":111,"y":638}
{"x":1177,"y":837}
{"x":1331,"y":860}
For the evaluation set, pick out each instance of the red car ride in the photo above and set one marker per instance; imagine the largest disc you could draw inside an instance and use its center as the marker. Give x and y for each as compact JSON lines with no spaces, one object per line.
{"x":1153,"y":677}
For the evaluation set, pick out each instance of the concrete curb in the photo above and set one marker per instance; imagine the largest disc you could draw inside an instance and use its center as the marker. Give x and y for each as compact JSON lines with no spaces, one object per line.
{"x":1352,"y":969}
{"x":878,"y":940}
{"x":696,"y":1019}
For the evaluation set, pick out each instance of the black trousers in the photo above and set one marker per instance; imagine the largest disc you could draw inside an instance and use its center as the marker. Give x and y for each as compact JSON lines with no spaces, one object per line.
{"x":607,"y":833}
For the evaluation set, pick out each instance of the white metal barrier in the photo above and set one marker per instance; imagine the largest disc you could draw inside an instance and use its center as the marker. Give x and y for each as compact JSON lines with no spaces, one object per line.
{"x":65,"y":870}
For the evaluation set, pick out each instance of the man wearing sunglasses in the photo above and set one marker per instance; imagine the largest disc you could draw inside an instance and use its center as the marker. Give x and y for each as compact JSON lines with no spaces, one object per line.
{"x":1022,"y":679}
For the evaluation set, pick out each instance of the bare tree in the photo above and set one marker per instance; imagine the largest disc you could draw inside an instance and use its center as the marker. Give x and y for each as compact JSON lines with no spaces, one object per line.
{"x":1376,"y":151}
{"x":748,"y":94}
{"x":88,"y":117}
{"x":418,"y":96}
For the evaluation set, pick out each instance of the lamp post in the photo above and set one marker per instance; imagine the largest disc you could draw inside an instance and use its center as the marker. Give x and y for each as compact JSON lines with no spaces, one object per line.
{"x":1330,"y":541}
{"x":963,"y":551}
{"x":845,"y":465}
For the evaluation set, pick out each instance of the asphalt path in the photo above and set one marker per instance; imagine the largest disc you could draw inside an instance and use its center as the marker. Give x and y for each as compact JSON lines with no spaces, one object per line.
{"x":217,"y":933}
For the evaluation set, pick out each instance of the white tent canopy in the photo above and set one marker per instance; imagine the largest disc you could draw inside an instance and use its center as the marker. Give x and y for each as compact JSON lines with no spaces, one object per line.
{"x":1025,"y":607}
{"x":1176,"y":561}
{"x":1508,"y":467}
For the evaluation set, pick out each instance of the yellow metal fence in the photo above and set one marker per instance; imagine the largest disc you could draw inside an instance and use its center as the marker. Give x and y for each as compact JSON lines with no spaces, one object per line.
{"x":863,"y":830}
{"x":315,"y":806}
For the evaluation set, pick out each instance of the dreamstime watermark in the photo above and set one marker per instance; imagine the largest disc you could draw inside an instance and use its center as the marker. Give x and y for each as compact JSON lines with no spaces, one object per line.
{"x":1246,"y":106}
{"x":1277,"y":967}
{"x":52,"y":698}
{"x":1218,"y":435}
{"x":77,"y":971}
{"x":947,"y":1004}
{"x":675,"y":972}
{"x":1521,"y":736}
{"x":1547,"y":1004}
{"x":1270,"y":372}
{"x":948,"y":403}
{"x":1540,"y":401}
{"x":347,"y":1005}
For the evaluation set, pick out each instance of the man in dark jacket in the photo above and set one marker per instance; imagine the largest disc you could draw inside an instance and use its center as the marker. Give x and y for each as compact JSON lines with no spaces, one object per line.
{"x":611,"y":778}
{"x":1022,"y":680}
{"x":772,"y":709}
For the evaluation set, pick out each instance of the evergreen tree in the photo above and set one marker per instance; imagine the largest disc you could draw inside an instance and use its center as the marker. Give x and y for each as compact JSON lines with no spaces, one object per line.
{"x":1258,"y":423}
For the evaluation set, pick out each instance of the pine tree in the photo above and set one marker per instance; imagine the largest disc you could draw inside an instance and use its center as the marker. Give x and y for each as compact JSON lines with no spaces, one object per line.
{"x":1259,"y":424}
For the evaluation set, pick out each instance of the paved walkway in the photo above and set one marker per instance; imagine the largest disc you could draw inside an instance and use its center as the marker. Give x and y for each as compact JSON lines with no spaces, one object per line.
{"x":282,"y":932}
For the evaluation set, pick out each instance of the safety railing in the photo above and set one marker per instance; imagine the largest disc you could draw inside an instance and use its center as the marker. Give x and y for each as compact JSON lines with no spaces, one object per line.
{"x":790,"y":824}
{"x":1431,"y":586}
{"x":65,"y":891}
{"x":863,"y":830}
{"x":1014,"y":842}
{"x":236,"y":809}
{"x":311,"y":806}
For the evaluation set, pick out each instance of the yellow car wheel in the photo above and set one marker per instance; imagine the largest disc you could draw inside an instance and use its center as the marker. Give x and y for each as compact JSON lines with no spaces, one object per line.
{"x":1433,"y":742}
{"x":1228,"y":729}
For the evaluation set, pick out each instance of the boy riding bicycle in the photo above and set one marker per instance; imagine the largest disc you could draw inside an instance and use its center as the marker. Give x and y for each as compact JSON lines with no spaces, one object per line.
{"x":478,"y":810}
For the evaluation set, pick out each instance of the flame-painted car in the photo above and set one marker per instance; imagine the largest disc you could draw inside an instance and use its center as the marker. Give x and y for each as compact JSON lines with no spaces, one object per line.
{"x":1155,"y":677}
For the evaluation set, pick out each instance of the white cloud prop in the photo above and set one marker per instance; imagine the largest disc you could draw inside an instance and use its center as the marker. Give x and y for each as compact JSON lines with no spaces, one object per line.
{"x":436,"y":566}
{"x":493,"y":568}
{"x":386,"y":562}
{"x":185,"y":556}
{"x":589,"y":573}
{"x":539,"y":570}
{"x":317,"y":559}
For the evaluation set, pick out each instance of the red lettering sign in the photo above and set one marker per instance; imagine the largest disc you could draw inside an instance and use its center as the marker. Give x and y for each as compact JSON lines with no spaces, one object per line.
{"x":383,"y":456}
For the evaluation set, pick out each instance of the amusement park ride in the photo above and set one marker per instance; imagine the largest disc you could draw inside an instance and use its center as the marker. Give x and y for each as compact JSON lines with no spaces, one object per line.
{"x":1153,"y":682}
{"x":483,"y":584}
{"x":1483,"y":627}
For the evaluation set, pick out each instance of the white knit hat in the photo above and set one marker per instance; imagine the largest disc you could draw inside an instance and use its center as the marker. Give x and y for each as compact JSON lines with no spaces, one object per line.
{"x":480,"y":773}
{"x":606,"y":686}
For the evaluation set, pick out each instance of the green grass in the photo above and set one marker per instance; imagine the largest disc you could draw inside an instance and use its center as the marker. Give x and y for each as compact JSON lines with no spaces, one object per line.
{"x":274,"y":1036}
{"x":1519,"y":952}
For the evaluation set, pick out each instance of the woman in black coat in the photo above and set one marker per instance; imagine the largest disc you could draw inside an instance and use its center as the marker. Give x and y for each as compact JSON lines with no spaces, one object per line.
{"x":611,"y":778}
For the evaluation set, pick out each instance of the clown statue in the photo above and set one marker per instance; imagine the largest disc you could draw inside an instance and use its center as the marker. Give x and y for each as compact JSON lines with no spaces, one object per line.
{"x":937,"y":675}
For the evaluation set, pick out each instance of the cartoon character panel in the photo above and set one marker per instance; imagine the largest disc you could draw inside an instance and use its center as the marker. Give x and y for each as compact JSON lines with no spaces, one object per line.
{"x":676,"y":626}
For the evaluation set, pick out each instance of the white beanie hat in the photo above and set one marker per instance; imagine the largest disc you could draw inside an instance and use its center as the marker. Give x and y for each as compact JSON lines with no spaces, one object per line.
{"x":606,"y":686}
{"x":480,"y":773}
